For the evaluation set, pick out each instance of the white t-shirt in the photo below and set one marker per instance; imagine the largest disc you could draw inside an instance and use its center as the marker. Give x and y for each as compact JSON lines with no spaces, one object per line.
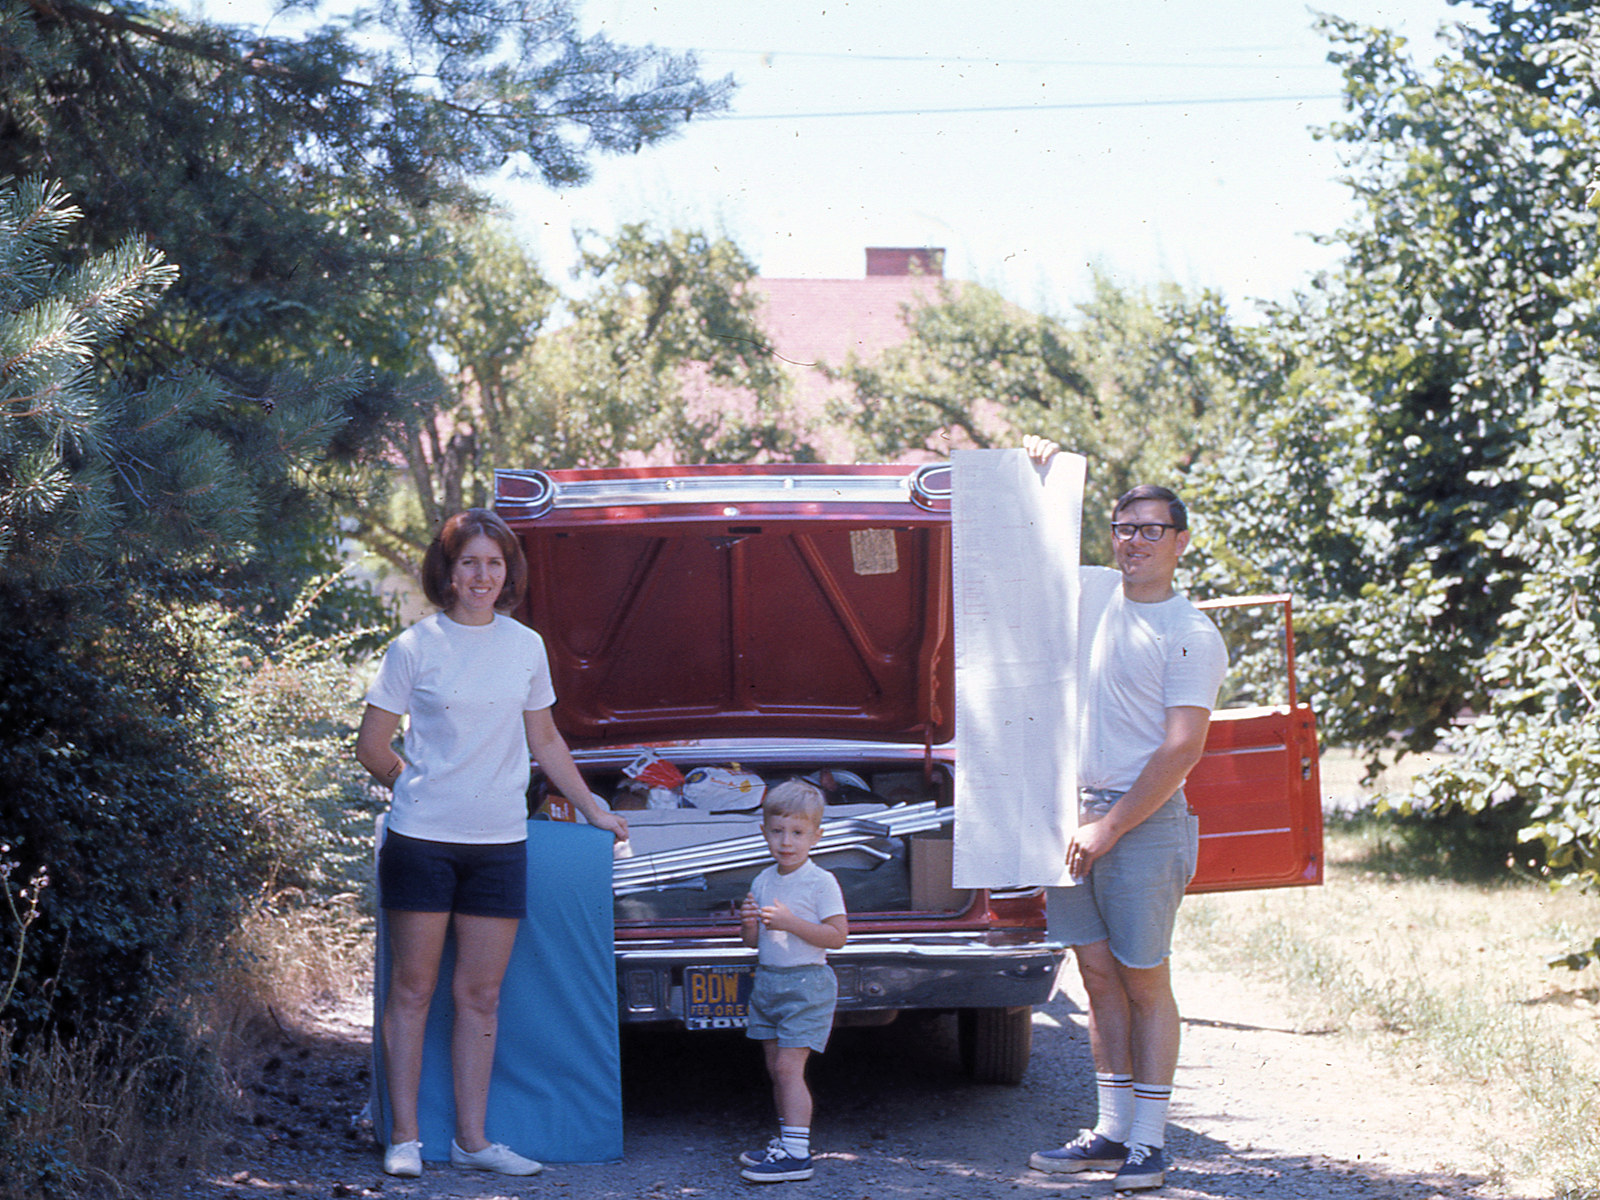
{"x":1136,"y":661}
{"x":811,"y":894}
{"x":465,"y":688}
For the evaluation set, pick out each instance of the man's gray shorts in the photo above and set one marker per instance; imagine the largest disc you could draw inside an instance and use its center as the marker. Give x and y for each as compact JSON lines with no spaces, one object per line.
{"x":793,"y":1005}
{"x":1132,"y":894}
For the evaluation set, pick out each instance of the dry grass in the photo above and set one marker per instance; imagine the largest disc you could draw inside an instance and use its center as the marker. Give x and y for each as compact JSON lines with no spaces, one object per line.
{"x":118,"y":1114}
{"x":1447,"y":974}
{"x":292,"y":955}
{"x":86,"y":1119}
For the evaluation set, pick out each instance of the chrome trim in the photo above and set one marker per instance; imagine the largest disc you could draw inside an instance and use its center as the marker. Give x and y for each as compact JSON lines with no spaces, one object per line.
{"x":950,"y":947}
{"x":878,"y":973}
{"x":730,"y":490}
{"x":694,"y":752}
{"x":924,"y":491}
{"x":536,"y":505}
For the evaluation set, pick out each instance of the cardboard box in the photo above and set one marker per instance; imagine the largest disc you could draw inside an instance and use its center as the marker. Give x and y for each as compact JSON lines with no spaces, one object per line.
{"x":932,"y":864}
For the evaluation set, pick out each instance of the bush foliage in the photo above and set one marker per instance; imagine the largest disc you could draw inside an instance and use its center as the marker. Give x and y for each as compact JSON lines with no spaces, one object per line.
{"x":107,"y":789}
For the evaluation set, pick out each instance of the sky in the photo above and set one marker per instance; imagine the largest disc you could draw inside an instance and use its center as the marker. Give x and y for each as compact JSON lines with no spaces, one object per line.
{"x":1154,"y":139}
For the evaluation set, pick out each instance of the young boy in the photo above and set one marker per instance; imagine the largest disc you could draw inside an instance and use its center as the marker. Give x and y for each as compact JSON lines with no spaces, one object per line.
{"x":795,"y":914}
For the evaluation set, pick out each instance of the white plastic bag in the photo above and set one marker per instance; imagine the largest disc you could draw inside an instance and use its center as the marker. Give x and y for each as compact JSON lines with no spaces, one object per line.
{"x":721,"y":788}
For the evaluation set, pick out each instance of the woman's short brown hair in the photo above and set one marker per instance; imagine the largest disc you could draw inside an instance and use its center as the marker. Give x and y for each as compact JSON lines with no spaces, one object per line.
{"x":452,"y":539}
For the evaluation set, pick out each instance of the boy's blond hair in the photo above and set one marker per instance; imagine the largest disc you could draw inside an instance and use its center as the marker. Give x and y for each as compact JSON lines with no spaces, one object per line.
{"x":794,"y":798}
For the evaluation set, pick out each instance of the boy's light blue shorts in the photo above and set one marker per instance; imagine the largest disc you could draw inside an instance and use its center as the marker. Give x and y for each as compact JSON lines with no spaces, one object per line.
{"x":1132,"y":894}
{"x":793,"y":1005}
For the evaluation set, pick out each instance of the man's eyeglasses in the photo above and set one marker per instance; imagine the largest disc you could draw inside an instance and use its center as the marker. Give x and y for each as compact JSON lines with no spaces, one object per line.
{"x":1150,"y":531}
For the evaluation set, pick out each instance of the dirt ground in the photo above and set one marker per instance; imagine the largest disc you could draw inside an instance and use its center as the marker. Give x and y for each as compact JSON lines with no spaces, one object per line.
{"x":1262,"y":1108}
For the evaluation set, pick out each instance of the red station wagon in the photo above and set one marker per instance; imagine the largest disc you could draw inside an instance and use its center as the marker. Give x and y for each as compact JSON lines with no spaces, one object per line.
{"x":738,"y":625}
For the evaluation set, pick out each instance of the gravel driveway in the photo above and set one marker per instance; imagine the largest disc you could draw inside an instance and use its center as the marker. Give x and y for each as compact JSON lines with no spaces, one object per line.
{"x":1261,"y":1109}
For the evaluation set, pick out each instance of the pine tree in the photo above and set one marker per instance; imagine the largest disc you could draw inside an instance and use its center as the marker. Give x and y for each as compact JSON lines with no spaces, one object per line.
{"x":104,"y":475}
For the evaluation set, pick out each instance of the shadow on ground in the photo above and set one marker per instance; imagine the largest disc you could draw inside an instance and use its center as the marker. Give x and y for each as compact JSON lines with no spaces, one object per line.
{"x":897,"y":1120}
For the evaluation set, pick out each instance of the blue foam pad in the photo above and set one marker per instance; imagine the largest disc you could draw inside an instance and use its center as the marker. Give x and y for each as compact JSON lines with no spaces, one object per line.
{"x":556,"y":1093}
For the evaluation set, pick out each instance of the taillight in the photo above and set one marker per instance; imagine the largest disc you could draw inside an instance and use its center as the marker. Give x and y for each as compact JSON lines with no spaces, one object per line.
{"x":1017,"y":906}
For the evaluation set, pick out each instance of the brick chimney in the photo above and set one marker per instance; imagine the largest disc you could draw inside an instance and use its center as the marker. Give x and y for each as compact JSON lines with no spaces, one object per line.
{"x":905,"y":260}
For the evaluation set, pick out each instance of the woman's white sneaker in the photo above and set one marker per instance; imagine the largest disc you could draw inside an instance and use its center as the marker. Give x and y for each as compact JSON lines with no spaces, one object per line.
{"x":403,"y":1159}
{"x":499,"y":1158}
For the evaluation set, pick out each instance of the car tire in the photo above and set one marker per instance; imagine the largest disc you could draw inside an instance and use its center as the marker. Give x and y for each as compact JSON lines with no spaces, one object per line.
{"x":995,"y":1043}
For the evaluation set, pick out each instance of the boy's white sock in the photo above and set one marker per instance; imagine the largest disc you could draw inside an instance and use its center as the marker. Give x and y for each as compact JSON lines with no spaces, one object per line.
{"x":1116,"y":1105}
{"x":1150,"y":1101}
{"x":796,"y":1140}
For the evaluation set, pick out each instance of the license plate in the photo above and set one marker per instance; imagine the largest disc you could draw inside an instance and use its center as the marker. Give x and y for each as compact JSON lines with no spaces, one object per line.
{"x":716,"y":997}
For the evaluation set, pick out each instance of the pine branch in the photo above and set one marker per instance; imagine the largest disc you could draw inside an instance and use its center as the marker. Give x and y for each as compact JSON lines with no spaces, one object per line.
{"x":67,"y":12}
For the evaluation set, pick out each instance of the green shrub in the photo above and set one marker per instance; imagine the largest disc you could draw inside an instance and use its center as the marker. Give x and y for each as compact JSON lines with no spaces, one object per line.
{"x":109,"y":791}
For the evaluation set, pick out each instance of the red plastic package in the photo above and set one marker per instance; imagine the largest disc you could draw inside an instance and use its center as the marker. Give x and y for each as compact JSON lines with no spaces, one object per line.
{"x":650,"y":768}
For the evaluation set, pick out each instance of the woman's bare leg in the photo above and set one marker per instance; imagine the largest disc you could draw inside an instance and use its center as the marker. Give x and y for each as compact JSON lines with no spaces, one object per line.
{"x":483,"y":950}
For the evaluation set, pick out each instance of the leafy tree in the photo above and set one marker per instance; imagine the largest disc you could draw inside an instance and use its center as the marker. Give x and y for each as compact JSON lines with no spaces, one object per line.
{"x":1427,"y":484}
{"x":658,"y":350}
{"x":103,"y":476}
{"x":471,"y":330}
{"x":1142,"y":382}
{"x":1414,"y":370}
{"x":300,"y":181}
{"x":1538,"y":745}
{"x":109,"y":793}
{"x":164,"y":484}
{"x":664,"y":353}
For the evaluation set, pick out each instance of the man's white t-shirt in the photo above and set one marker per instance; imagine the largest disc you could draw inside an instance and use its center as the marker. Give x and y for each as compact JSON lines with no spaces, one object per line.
{"x":1136,"y":661}
{"x":465,"y":688}
{"x":811,"y":894}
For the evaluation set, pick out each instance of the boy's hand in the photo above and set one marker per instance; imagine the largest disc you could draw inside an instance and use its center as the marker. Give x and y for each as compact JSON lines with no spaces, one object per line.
{"x":778,"y":916}
{"x":749,"y":911}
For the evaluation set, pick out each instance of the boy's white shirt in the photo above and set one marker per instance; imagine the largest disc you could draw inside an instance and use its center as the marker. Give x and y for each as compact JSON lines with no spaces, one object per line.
{"x":810,"y":893}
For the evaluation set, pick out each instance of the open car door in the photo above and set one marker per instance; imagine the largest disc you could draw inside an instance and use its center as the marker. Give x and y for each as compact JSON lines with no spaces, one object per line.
{"x":1256,"y":790}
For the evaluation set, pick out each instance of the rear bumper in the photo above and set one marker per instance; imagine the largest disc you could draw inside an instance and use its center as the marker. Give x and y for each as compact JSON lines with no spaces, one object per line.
{"x":877,"y":973}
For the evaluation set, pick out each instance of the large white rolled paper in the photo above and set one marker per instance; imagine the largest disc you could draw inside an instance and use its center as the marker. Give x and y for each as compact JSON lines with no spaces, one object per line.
{"x":1015,"y":553}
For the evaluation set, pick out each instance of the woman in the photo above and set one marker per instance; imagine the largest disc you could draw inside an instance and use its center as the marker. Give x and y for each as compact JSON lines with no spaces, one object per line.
{"x":476,"y":684}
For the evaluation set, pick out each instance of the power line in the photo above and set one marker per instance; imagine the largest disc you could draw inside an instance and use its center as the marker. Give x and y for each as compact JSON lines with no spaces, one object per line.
{"x":961,"y":60}
{"x":1019,"y":108}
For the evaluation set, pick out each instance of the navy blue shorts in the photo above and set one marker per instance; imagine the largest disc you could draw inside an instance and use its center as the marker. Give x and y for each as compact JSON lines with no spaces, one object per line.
{"x":415,"y":875}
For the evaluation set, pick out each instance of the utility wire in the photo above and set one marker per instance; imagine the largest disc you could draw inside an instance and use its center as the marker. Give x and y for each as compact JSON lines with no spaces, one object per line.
{"x":937,"y":60}
{"x":1018,"y":108}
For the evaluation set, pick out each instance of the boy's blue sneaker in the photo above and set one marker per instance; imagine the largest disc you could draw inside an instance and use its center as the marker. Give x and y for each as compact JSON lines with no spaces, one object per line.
{"x":1145,"y":1167}
{"x":750,"y":1158}
{"x":778,"y":1166}
{"x":1089,"y":1151}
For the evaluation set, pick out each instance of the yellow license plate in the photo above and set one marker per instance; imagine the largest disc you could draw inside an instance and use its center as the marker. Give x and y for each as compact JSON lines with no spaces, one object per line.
{"x":716,"y":997}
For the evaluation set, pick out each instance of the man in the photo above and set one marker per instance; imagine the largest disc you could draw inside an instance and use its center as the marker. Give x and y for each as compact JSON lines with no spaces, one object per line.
{"x":1150,"y":667}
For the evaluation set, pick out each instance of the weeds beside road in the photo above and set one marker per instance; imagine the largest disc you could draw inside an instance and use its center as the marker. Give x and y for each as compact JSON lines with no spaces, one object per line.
{"x":1445,"y":976}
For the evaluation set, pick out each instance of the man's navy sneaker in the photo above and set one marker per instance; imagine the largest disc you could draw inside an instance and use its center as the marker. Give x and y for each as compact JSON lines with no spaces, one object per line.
{"x":1145,"y":1167}
{"x":1089,"y":1151}
{"x":779,"y":1166}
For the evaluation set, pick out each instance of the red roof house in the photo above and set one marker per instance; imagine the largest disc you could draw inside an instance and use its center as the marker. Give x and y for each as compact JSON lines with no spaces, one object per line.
{"x":827,"y":321}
